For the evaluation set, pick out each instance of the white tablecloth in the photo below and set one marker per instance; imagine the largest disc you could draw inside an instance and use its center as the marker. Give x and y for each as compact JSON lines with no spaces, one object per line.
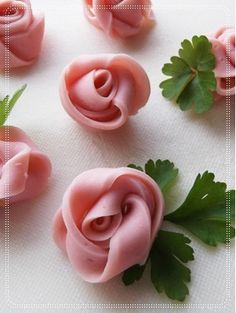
{"x":40,"y":277}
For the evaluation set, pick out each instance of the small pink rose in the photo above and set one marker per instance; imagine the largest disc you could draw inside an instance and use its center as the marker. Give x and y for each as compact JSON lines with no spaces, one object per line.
{"x":108,"y":220}
{"x":223,"y":47}
{"x":118,"y":18}
{"x":101,"y":91}
{"x":24,"y":170}
{"x":21,"y":34}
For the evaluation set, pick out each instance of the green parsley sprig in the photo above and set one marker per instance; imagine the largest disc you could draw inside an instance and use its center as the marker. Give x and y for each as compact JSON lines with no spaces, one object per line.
{"x":7,"y":104}
{"x":204,"y":213}
{"x":192,"y":79}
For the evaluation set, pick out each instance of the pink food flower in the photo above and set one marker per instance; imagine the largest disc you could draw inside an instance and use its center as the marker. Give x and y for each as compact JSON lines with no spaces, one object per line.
{"x":21,"y":34}
{"x":108,"y":220}
{"x":24,"y":169}
{"x":101,"y":91}
{"x":223,"y":47}
{"x":118,"y":18}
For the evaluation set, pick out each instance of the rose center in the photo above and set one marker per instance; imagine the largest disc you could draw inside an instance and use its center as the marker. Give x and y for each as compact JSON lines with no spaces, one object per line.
{"x":7,"y":10}
{"x":103,"y":82}
{"x":101,"y":223}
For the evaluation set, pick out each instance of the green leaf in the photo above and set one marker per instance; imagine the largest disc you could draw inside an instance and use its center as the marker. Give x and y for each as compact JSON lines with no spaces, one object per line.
{"x":132,"y":274}
{"x":204,"y":212}
{"x":192,"y":79}
{"x":199,"y":92}
{"x":139,"y":168}
{"x":182,"y":75}
{"x":7,"y":104}
{"x":163,"y":172}
{"x":168,"y":273}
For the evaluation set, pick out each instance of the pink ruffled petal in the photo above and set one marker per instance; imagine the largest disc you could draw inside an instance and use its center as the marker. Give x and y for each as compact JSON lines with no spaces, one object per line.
{"x":24,"y":169}
{"x":223,"y":47}
{"x":118,"y":18}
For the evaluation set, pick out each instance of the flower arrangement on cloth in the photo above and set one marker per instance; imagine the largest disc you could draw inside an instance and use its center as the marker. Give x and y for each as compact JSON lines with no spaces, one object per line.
{"x":21,"y":34}
{"x":102,"y":91}
{"x":24,"y":169}
{"x":119,"y":18}
{"x":203,"y":72}
{"x":110,"y":222}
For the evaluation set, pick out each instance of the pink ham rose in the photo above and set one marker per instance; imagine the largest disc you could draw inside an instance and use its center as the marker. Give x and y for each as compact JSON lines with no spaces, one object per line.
{"x":119,"y":18}
{"x":108,"y":220}
{"x":223,"y":47}
{"x":21,"y":34}
{"x":24,"y":169}
{"x":101,"y":91}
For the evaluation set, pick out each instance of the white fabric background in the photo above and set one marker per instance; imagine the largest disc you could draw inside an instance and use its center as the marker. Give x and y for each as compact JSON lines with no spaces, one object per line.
{"x":39,"y":276}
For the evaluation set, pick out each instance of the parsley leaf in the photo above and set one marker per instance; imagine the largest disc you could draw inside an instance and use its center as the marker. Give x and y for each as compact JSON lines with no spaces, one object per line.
{"x":7,"y":104}
{"x":132,"y":274}
{"x":168,"y":273}
{"x":162,"y":172}
{"x":192,"y":79}
{"x":136,"y":167}
{"x":203,"y":213}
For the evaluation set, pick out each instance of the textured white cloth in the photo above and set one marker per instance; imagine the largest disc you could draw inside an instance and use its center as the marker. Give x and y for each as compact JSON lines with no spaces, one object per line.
{"x":40,"y":277}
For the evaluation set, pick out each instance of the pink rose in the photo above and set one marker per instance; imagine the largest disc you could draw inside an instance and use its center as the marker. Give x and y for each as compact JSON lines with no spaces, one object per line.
{"x":118,"y":18}
{"x":21,"y":33}
{"x":108,"y":220}
{"x":223,"y":47}
{"x":101,"y":91}
{"x":24,"y":169}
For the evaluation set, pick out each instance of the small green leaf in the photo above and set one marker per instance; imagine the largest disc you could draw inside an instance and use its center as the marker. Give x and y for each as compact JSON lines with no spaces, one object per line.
{"x":192,"y":79}
{"x":168,"y":273}
{"x":136,"y":167}
{"x":7,"y":104}
{"x":132,"y":274}
{"x":182,"y":75}
{"x":163,"y":172}
{"x":205,"y":210}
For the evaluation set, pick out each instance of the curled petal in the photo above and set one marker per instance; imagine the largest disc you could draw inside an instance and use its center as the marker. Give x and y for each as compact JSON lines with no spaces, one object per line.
{"x":118,"y":18}
{"x":24,"y":169}
{"x":223,"y":47}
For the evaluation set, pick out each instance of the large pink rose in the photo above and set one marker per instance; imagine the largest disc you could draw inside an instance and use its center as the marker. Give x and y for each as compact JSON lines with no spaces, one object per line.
{"x":108,"y":220}
{"x":21,"y":34}
{"x":24,"y":169}
{"x":101,"y":91}
{"x":223,"y":47}
{"x":118,"y":18}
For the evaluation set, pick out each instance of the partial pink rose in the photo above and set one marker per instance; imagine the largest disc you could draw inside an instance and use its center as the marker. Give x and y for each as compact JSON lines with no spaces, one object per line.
{"x":101,"y":91}
{"x":108,"y":220}
{"x":21,"y":34}
{"x":119,"y":18}
{"x":223,"y":47}
{"x":24,"y":169}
